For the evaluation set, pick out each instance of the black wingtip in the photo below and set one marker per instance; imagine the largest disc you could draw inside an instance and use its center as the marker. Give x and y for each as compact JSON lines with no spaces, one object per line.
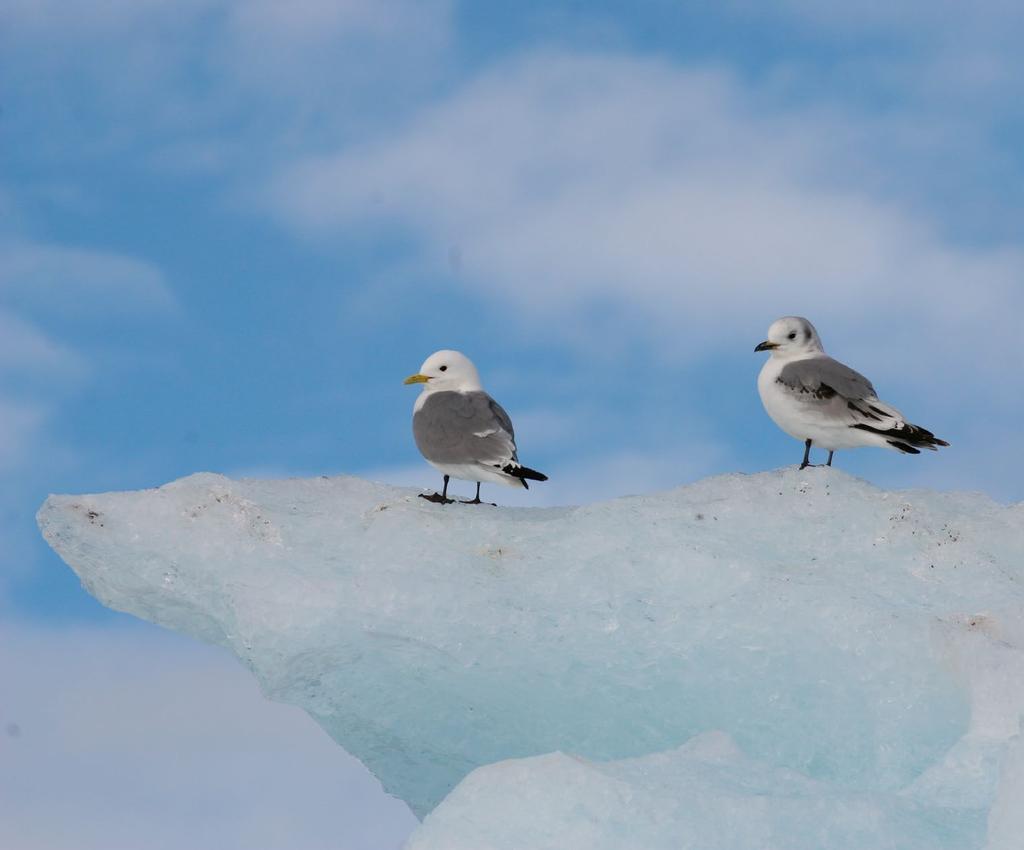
{"x":907,"y":438}
{"x":524,"y":472}
{"x":903,"y":447}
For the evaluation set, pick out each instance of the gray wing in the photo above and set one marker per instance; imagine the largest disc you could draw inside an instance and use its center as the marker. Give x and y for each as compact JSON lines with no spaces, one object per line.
{"x":824,"y":378}
{"x":833,"y":393}
{"x":454,"y":427}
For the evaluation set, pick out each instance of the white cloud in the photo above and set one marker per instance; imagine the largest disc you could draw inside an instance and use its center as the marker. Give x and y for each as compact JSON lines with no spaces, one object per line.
{"x":261,"y":24}
{"x":923,"y":17}
{"x":217,"y":86}
{"x":918,"y":58}
{"x":924,"y":22}
{"x":78,"y":281}
{"x":26,"y":349}
{"x":19,"y":422}
{"x":74,"y":18}
{"x":276,"y":45}
{"x":121,"y":738}
{"x":36,"y":368}
{"x":569,"y":180}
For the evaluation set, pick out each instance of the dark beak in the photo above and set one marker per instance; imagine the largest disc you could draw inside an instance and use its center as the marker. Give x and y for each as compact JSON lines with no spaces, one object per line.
{"x":766,"y":346}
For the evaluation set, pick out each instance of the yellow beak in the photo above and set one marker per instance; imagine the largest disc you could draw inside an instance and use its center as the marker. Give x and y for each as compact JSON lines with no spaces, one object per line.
{"x":416,"y":379}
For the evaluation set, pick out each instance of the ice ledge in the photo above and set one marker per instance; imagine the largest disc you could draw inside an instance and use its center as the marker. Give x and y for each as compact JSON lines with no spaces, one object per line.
{"x":706,"y":794}
{"x":818,"y":621}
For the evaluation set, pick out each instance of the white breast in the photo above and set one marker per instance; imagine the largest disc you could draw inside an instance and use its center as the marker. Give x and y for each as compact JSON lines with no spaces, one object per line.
{"x":778,"y":405}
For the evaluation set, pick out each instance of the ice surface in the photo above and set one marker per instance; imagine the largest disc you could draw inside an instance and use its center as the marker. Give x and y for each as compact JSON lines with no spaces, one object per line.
{"x":705,"y":795}
{"x":783,"y":660}
{"x":1006,"y":820}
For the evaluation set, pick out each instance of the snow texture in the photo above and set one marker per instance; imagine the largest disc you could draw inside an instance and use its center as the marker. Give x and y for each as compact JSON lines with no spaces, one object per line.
{"x":778,"y":661}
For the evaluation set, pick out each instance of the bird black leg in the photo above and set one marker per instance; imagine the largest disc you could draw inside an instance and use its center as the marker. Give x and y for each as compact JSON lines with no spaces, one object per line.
{"x":829,"y":461}
{"x":442,"y":497}
{"x":477,"y":501}
{"x":807,"y":455}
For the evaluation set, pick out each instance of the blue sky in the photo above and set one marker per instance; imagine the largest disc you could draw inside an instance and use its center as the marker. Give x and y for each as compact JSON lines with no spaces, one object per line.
{"x":230,"y":229}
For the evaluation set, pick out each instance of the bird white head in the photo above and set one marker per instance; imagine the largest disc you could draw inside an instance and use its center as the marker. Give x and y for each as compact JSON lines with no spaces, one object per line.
{"x":791,"y":336}
{"x":447,"y":370}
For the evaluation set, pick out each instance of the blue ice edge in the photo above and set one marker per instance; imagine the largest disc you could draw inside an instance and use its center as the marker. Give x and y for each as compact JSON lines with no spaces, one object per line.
{"x":850,"y":657}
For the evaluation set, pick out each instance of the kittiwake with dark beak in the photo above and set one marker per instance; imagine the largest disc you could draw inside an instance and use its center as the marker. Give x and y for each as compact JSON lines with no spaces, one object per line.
{"x":826,"y":404}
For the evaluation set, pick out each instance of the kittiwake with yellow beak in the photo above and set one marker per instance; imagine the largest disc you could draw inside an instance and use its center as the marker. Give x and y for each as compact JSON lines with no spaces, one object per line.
{"x":461,"y":431}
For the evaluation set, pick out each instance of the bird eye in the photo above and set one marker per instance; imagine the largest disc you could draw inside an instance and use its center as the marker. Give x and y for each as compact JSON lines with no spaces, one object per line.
{"x":444,"y":368}
{"x":792,"y":336}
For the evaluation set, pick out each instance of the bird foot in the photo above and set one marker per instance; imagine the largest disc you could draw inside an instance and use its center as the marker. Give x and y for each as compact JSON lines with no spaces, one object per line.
{"x":805,"y":465}
{"x":436,"y":497}
{"x":477,"y":501}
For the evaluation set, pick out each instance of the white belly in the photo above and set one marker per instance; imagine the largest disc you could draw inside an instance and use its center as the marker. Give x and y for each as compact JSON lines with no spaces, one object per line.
{"x":476,"y":472}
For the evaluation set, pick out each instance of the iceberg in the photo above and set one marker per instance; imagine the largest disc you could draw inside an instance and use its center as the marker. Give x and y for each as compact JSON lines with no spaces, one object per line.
{"x":792,"y":659}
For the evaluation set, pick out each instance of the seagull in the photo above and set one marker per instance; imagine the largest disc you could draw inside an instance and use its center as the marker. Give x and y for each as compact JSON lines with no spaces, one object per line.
{"x":461,"y":430}
{"x":825,"y":403}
